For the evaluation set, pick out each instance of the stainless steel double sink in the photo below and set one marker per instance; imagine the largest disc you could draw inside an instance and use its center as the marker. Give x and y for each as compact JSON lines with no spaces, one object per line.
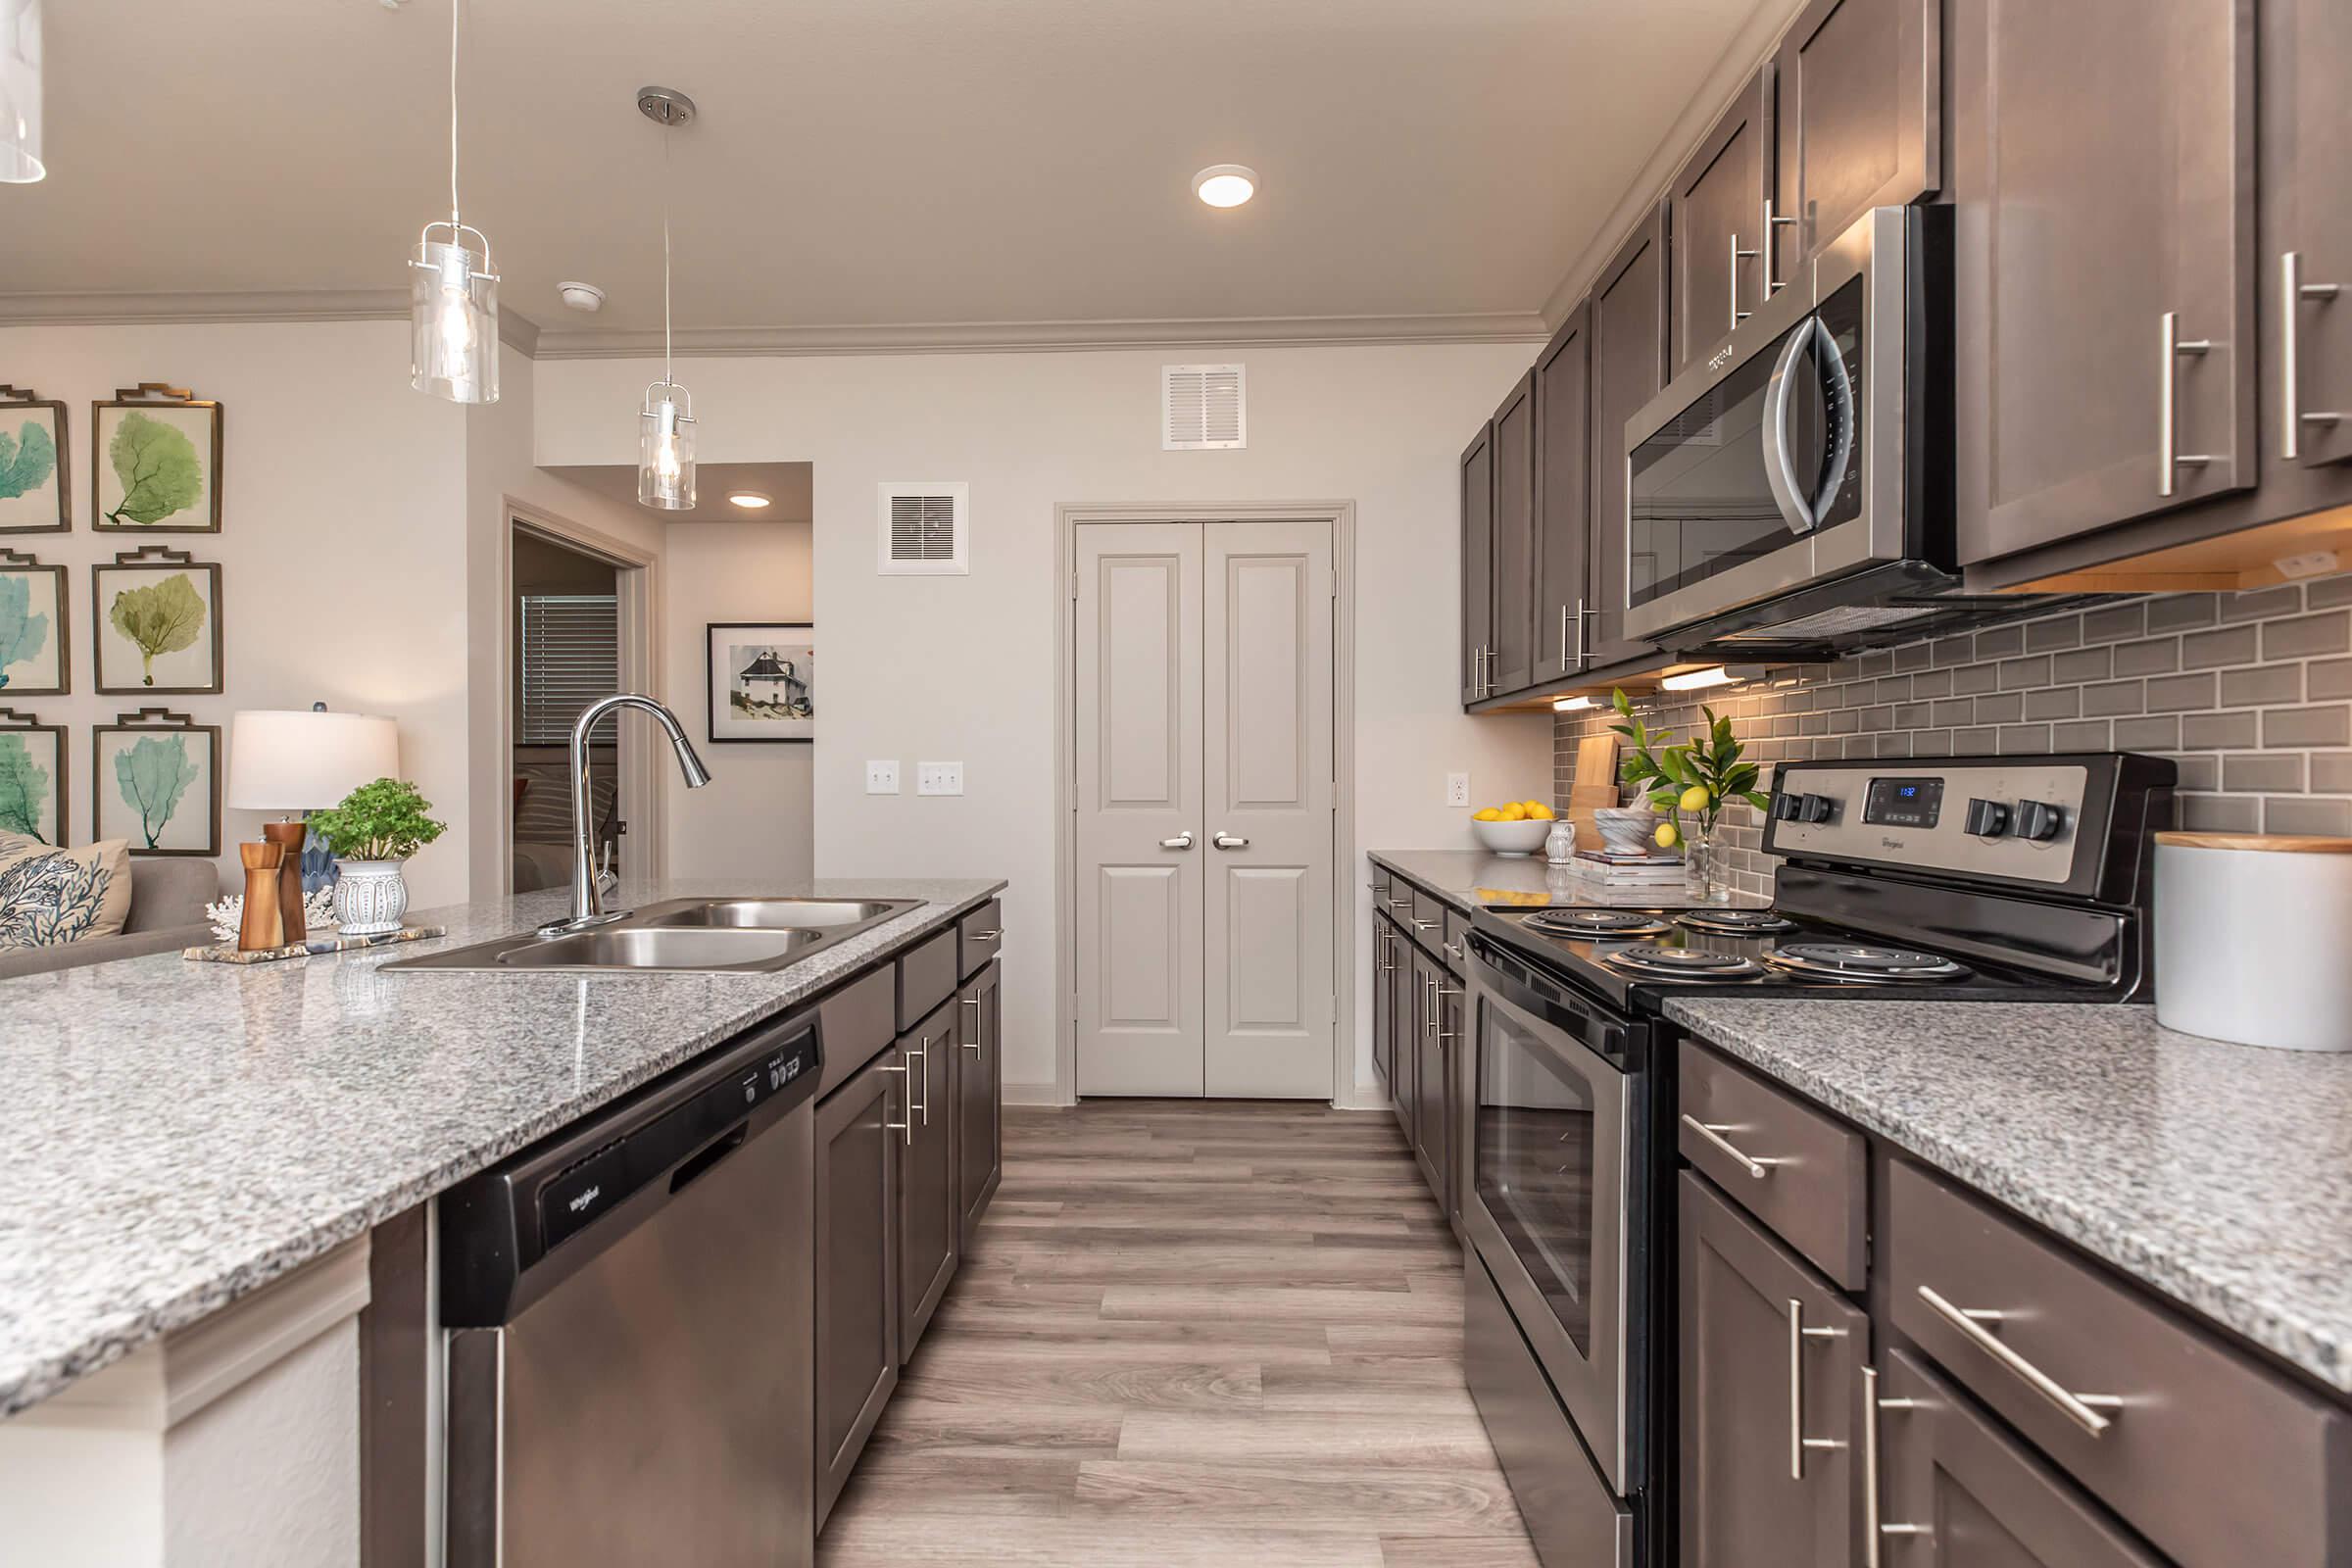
{"x":712,"y":935}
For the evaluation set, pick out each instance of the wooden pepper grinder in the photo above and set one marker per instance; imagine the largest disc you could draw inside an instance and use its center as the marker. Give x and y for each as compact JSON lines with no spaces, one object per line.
{"x":289,"y":836}
{"x":261,"y":928}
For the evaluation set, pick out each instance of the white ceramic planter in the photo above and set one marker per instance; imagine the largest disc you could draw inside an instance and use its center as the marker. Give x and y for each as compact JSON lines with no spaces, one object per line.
{"x":370,"y":898}
{"x":2251,"y":939}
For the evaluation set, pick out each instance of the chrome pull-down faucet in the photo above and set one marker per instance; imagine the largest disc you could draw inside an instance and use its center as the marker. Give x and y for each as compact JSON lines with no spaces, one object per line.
{"x":587,"y":895}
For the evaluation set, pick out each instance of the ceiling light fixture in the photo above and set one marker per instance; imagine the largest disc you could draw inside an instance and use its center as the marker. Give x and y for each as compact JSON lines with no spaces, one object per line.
{"x":453,"y":294}
{"x":1571,"y":705}
{"x":1225,"y":185}
{"x":749,"y":500}
{"x":21,"y":92}
{"x":665,"y":419}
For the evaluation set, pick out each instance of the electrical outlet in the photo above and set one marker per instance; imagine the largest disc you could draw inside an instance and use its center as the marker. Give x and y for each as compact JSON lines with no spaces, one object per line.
{"x":882,"y":778}
{"x":1457,"y":789}
{"x":939,"y":778}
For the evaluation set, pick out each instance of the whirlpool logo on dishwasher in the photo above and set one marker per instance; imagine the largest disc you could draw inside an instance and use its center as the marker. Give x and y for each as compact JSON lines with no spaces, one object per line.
{"x":585,"y":1198}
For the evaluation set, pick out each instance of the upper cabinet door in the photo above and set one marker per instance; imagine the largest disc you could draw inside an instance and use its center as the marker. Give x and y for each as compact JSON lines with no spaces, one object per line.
{"x":1513,"y":666}
{"x":1629,"y":327}
{"x":1860,"y":118}
{"x":2105,"y":307}
{"x":1563,"y":498}
{"x":2307,"y":62}
{"x":1478,"y":563}
{"x":1717,"y":205}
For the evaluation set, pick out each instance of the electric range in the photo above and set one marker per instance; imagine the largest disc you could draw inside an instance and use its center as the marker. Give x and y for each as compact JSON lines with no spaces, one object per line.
{"x":1958,"y":879}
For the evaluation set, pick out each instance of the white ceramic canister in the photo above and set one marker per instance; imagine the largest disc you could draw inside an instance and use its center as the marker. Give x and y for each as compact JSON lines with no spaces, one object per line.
{"x":2254,"y":939}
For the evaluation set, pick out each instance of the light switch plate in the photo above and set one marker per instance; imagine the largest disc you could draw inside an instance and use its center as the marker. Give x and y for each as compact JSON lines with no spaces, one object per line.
{"x":939,"y":778}
{"x":882,"y":778}
{"x":1457,"y":789}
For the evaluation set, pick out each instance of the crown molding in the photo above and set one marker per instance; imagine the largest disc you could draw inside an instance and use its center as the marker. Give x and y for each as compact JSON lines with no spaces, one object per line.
{"x":514,"y":329}
{"x":1017,"y":337}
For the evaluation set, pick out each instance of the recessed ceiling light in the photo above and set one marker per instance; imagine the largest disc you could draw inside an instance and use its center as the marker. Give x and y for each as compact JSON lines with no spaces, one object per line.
{"x":749,"y":500}
{"x":1225,"y":185}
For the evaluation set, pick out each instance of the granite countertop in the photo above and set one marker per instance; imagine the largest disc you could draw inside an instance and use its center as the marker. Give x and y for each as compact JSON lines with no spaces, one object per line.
{"x":1469,"y":880}
{"x":2221,"y":1175}
{"x":186,"y":1132}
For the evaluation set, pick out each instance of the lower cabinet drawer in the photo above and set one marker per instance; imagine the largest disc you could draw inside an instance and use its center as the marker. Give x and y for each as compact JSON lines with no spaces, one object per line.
{"x":1455,"y":948}
{"x":860,"y":1021}
{"x":1945,"y":1468}
{"x":1797,"y":1169}
{"x":2219,"y":1461}
{"x":927,"y":976}
{"x":980,"y":937}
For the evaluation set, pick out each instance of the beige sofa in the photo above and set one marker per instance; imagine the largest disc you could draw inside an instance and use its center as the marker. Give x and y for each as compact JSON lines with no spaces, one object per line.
{"x":167,"y":913}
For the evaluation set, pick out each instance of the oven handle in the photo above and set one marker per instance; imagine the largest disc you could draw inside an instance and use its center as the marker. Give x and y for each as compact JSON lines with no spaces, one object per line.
{"x":1779,"y":468}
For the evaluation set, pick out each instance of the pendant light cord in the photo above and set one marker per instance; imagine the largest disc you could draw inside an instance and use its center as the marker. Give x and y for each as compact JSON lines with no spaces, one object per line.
{"x":457,"y":238}
{"x":667,"y":377}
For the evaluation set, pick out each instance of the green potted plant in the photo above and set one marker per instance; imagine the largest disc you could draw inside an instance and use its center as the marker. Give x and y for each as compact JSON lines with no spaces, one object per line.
{"x":375,"y":831}
{"x":1695,"y":779}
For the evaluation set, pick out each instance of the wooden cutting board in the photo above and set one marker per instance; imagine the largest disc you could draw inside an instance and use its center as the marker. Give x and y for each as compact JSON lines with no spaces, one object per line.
{"x":1596,"y":787}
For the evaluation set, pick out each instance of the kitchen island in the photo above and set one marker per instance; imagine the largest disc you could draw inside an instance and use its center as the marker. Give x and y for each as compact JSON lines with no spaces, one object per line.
{"x":195,"y":1138}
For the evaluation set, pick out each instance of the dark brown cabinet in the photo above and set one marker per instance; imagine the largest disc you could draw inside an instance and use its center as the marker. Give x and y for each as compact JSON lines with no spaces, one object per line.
{"x":855,"y":1180}
{"x":979,"y":1098}
{"x":1716,"y":212}
{"x":2103,"y":166}
{"x":1629,"y":320}
{"x":1564,"y":611}
{"x":1512,"y":666}
{"x":1478,"y":564}
{"x":1384,"y":999}
{"x":1958,"y":1492}
{"x":1771,"y":1365}
{"x":2306,"y":77}
{"x":1432,"y":1124}
{"x":930,"y":1212}
{"x":1859,"y":94}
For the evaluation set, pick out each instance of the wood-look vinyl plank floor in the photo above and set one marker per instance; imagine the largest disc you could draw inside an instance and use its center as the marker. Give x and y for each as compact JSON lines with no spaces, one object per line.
{"x":1191,"y":1333}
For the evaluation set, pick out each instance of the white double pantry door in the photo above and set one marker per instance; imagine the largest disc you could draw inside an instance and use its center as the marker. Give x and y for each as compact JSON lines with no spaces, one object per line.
{"x":1204,"y":809}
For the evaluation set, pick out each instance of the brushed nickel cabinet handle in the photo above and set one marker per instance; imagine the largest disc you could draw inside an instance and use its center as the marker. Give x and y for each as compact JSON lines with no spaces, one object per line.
{"x":1738,"y":256}
{"x":907,"y":1127}
{"x":1401,"y":903}
{"x":1563,"y":637}
{"x":2169,"y":458}
{"x":2075,"y":1408}
{"x":1182,"y":841}
{"x":1873,"y":1532}
{"x":1772,"y":221}
{"x":1798,"y":1443}
{"x":993,"y":933}
{"x":1426,"y":925}
{"x":1453,"y":950}
{"x":1713,"y":1133}
{"x":2292,"y":292}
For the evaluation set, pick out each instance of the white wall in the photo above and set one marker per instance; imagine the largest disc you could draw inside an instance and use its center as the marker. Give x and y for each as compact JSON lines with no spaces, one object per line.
{"x":342,"y":542}
{"x":963,"y":668}
{"x":753,"y":821}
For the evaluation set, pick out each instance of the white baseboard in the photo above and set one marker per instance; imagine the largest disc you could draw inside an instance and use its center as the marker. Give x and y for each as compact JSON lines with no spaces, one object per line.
{"x":1036,"y":1094}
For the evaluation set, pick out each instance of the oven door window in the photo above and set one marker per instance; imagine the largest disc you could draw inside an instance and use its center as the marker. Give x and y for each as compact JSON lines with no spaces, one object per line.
{"x":1702,"y":502}
{"x":1538,"y":1170}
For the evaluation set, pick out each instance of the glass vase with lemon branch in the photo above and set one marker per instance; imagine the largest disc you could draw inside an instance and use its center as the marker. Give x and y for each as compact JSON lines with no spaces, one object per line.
{"x":1690,"y":784}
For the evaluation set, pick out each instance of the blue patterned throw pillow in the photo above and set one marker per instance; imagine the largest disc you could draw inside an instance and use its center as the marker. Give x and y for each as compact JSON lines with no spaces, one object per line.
{"x":49,"y":896}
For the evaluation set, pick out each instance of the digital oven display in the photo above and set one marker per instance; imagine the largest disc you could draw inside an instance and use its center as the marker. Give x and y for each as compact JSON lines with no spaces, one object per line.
{"x":1903,"y":802}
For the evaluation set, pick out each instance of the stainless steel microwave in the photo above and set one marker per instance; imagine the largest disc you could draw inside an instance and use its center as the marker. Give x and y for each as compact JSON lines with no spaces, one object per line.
{"x":1795,"y":484}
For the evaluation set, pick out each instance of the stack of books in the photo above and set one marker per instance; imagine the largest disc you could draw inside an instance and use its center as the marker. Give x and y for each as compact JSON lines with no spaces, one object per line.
{"x":1615,"y":870}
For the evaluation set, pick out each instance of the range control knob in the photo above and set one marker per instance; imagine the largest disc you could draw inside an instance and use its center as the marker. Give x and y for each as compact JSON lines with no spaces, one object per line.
{"x":1784,"y":806}
{"x":1987,"y":820}
{"x":1814,"y":807}
{"x":2039,"y":819}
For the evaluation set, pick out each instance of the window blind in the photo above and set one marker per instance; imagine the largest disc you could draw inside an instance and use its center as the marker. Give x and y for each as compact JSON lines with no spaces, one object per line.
{"x":570,"y":657}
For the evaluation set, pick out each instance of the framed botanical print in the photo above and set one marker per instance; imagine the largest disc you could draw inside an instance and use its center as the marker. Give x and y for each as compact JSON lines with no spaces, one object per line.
{"x":762,"y":677}
{"x":155,"y":779}
{"x":155,"y":461}
{"x":157,"y":616}
{"x":32,"y":463}
{"x":32,"y":777}
{"x":32,"y":628}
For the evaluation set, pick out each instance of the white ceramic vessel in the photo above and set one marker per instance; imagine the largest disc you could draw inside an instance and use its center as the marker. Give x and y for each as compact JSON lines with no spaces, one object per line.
{"x":370,"y":898}
{"x":2252,"y":937}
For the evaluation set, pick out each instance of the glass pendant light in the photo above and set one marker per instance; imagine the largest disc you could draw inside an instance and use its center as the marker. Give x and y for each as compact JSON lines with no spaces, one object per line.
{"x":21,"y":92}
{"x":453,"y":294}
{"x":665,"y":419}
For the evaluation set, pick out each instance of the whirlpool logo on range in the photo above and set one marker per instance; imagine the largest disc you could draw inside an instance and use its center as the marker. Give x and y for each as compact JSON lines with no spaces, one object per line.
{"x":580,"y":1203}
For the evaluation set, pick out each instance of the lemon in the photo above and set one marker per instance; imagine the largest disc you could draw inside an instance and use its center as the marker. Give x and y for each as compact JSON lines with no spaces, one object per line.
{"x":1514,"y":812}
{"x":1667,"y":836}
{"x":1485,"y":814}
{"x":1695,"y":798}
{"x":1537,"y":812}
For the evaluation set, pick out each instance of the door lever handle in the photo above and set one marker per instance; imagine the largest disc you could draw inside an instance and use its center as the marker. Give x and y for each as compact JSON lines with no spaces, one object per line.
{"x":1229,"y":841}
{"x":1182,"y":841}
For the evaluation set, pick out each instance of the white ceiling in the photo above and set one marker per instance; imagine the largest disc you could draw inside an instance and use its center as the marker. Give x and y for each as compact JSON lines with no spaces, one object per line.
{"x":862,"y":162}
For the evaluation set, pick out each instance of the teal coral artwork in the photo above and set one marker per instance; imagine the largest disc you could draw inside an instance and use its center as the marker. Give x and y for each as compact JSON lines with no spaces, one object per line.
{"x":154,"y":774}
{"x":157,"y":786}
{"x":31,"y":653}
{"x":32,"y":490}
{"x":30,"y":795}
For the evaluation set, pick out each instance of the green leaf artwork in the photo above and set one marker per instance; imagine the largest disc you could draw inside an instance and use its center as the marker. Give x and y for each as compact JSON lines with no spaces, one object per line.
{"x":153,"y":773}
{"x":161,"y":618}
{"x":158,"y":467}
{"x":23,"y":635}
{"x":26,"y":459}
{"x":24,"y":788}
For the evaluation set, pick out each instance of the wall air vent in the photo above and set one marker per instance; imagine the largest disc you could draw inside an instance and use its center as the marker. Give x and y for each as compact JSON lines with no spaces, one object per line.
{"x":926,"y":529}
{"x":1203,"y":408}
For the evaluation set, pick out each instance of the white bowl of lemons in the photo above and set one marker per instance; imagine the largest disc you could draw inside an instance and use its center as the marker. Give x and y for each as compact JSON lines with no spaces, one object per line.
{"x":1517,"y":829}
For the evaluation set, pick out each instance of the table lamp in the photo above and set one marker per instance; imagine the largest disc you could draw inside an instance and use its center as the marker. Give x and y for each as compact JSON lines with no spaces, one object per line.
{"x":296,"y":760}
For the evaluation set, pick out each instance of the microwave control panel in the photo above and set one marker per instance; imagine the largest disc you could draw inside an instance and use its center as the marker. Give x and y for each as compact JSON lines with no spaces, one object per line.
{"x":2016,"y":820}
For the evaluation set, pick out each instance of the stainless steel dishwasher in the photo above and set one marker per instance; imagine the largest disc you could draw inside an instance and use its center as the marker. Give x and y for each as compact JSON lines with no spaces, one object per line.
{"x":629,"y":1308}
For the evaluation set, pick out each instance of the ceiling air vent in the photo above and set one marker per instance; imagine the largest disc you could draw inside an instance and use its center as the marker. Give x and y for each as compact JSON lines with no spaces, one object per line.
{"x":1203,"y":406}
{"x":926,"y":529}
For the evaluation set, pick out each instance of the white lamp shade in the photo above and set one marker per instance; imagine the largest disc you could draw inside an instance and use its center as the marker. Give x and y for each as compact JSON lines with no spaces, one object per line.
{"x":297,"y":760}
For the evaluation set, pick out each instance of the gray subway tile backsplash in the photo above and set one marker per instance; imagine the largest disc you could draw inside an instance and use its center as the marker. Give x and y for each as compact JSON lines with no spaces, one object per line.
{"x":2251,"y":694}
